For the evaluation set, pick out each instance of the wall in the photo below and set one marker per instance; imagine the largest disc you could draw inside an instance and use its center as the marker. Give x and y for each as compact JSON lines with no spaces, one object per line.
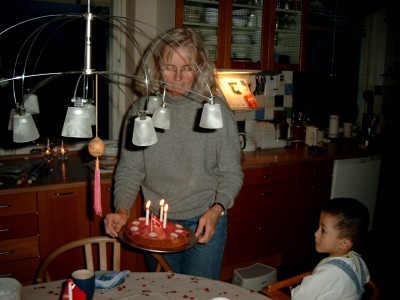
{"x":160,"y":15}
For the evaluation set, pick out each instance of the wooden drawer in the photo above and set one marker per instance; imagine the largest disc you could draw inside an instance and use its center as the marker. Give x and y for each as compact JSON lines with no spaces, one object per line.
{"x":23,"y":270}
{"x":273,"y":173}
{"x":312,"y":192}
{"x":262,"y":201}
{"x":248,"y":241}
{"x":316,"y":168}
{"x":19,"y":249}
{"x":18,"y":204}
{"x":18,"y":226}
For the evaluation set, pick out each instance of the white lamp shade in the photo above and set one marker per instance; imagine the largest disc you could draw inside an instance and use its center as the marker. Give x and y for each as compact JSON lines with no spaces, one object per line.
{"x":13,"y":112}
{"x":31,"y":104}
{"x":77,"y":123}
{"x":24,"y":129}
{"x":91,"y":110}
{"x":161,"y":118}
{"x":144,"y":133}
{"x":211,"y":117}
{"x":153,"y":103}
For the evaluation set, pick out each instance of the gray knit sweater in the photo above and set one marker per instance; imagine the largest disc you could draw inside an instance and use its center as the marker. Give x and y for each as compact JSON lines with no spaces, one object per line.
{"x":190,"y":167}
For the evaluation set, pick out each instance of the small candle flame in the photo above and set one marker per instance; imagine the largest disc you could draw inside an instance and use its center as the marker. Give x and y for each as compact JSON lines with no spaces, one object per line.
{"x":148,"y":204}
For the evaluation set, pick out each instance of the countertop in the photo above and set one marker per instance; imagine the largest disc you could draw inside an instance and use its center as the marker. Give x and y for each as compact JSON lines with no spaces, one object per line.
{"x":74,"y":171}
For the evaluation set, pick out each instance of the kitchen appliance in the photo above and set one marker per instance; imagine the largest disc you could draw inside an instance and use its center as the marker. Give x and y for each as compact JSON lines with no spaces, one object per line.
{"x":265,"y":136}
{"x":357,"y":178}
{"x":254,"y":277}
{"x":311,"y":135}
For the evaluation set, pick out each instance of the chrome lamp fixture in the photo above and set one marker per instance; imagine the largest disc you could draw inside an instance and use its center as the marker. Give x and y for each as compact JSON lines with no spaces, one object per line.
{"x":83,"y":115}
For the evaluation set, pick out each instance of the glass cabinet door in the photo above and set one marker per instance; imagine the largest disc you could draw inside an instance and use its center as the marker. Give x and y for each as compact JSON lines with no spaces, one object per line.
{"x":246,"y":30}
{"x":288,"y":34}
{"x":249,"y":34}
{"x":203,"y":16}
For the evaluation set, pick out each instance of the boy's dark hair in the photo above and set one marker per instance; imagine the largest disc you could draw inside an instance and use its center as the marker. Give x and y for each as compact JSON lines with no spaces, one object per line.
{"x":352,"y":218}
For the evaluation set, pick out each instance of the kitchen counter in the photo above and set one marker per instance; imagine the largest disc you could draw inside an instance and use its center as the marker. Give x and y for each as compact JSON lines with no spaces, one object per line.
{"x":74,"y":172}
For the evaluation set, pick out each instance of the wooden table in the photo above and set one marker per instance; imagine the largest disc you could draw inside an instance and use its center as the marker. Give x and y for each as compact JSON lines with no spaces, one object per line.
{"x":152,"y":286}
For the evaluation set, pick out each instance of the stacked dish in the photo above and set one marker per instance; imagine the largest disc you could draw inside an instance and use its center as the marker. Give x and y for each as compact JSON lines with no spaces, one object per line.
{"x":212,"y":51}
{"x":192,"y":13}
{"x":211,"y":15}
{"x":256,"y":37}
{"x":241,"y":39}
{"x":255,"y":54}
{"x":208,"y":32}
{"x":239,"y":52}
{"x":240,"y":17}
{"x":212,"y":39}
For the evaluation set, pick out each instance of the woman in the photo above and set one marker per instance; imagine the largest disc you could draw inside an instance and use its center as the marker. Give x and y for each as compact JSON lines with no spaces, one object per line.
{"x":197,"y":171}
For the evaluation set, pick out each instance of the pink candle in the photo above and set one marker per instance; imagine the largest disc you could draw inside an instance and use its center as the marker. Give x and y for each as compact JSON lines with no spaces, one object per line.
{"x":148,"y":211}
{"x":161,"y":209}
{"x":165,"y":216}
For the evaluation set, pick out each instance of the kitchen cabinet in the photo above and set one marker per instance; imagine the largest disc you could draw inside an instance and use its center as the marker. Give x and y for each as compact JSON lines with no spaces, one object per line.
{"x":313,"y":188}
{"x":286,"y":35}
{"x":63,"y":217}
{"x":19,"y":241}
{"x":249,"y":34}
{"x":260,"y":220}
{"x":130,"y":259}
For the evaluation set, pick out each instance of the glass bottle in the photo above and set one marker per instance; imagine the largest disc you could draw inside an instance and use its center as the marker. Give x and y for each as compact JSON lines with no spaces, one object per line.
{"x":298,"y":127}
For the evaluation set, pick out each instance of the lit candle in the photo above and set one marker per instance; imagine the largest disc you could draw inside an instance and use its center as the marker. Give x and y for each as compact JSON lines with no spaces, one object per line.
{"x":148,"y":211}
{"x":161,"y":209}
{"x":165,"y":216}
{"x":70,"y":283}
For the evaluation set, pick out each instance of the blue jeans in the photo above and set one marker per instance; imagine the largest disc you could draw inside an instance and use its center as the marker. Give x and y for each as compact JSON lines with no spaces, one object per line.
{"x":203,"y":260}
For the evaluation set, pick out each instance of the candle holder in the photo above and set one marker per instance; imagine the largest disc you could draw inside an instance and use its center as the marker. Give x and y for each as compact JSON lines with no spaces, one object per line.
{"x":48,"y":155}
{"x":63,"y":154}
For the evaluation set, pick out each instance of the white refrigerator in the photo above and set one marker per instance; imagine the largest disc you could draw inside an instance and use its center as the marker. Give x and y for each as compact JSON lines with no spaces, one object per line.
{"x":357,"y":178}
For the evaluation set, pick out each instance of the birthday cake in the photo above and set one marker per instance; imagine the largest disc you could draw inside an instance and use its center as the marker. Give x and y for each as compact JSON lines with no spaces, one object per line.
{"x":154,"y":236}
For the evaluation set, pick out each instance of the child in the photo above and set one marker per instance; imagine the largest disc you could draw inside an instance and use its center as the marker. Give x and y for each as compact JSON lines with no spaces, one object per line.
{"x":341,"y":275}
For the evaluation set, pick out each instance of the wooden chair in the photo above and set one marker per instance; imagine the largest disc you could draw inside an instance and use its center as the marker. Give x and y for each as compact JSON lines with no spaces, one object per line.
{"x":88,"y":243}
{"x":280,"y":290}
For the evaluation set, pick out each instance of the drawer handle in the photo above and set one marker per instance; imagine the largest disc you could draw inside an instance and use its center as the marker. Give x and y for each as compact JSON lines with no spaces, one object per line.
{"x":267,"y":193}
{"x":108,"y":188}
{"x":268,"y":175}
{"x":6,"y":252}
{"x":5,"y":205}
{"x":63,"y":194}
{"x":5,"y":229}
{"x":6,"y":275}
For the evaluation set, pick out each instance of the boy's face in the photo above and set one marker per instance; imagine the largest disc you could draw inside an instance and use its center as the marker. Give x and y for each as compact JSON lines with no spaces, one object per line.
{"x":327,"y":237}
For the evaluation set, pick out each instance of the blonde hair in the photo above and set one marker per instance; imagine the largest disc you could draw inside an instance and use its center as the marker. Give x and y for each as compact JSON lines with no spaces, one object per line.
{"x":165,"y":45}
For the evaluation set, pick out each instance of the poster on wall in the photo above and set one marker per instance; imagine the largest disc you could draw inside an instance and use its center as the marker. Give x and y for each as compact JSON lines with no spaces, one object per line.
{"x":237,"y":93}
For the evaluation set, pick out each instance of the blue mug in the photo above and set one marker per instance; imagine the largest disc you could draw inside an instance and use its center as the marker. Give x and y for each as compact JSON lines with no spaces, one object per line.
{"x":85,"y":280}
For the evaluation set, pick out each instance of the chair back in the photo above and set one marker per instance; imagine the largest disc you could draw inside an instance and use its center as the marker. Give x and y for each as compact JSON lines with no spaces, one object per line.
{"x":89,"y":244}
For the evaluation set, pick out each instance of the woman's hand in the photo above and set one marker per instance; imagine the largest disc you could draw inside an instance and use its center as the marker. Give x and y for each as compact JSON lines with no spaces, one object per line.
{"x":207,"y":224}
{"x":114,"y":222}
